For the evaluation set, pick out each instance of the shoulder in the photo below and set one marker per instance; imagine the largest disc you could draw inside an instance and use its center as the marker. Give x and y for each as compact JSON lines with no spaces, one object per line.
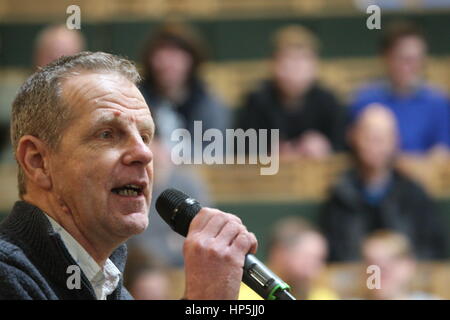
{"x":342,"y":196}
{"x":264,"y":91}
{"x":8,"y":250}
{"x":435,"y":95}
{"x":410,"y":188}
{"x":323,"y":98}
{"x":320,"y":90}
{"x":372,"y":90}
{"x":12,"y":258}
{"x":15,"y":280}
{"x":346,"y":181}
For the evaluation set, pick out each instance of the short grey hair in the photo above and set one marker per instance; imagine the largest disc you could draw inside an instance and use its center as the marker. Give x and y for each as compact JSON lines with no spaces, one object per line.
{"x":39,"y":109}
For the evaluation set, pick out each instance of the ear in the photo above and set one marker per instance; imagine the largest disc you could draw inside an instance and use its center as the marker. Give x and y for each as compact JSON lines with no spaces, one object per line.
{"x":32,"y":155}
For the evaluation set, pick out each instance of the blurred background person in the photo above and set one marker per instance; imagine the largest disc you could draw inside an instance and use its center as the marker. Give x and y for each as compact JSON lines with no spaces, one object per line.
{"x":145,"y":277}
{"x":56,"y":41}
{"x":297,"y":253}
{"x":172,"y":86}
{"x":422,"y":111}
{"x":374,"y":195}
{"x":51,"y":43}
{"x":159,"y":239}
{"x":392,"y":253}
{"x":308,"y":116}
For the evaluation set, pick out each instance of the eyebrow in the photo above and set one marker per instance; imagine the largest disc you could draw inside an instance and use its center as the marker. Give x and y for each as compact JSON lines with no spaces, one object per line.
{"x":111,"y":119}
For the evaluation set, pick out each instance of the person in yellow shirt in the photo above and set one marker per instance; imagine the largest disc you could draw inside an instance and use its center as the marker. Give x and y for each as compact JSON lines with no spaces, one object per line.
{"x":393,"y":254}
{"x":297,"y":254}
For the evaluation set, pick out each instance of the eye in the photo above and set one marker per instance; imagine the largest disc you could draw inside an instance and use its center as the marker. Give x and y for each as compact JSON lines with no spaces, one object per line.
{"x":106,"y":134}
{"x":146,"y":138}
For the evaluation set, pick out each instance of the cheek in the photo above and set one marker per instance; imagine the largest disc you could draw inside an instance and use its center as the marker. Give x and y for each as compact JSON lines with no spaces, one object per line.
{"x":149,"y":170}
{"x":90,"y":172}
{"x":64,"y":172}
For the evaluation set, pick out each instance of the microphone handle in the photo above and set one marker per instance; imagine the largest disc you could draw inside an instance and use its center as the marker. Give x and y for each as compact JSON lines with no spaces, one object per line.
{"x":256,"y":275}
{"x":263,"y":281}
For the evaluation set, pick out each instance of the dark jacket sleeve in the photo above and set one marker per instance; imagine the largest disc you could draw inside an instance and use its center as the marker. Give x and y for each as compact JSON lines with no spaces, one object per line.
{"x":337,"y":125}
{"x":328,"y":227}
{"x":251,"y":115}
{"x":341,"y":237}
{"x":431,"y":240}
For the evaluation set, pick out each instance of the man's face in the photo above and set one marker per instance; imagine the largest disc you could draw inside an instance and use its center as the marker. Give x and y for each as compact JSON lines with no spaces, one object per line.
{"x":395,"y":271}
{"x":294,"y":69}
{"x":375,"y":138}
{"x":306,"y":259}
{"x":171,"y":66}
{"x":102,"y":171}
{"x":405,"y":61}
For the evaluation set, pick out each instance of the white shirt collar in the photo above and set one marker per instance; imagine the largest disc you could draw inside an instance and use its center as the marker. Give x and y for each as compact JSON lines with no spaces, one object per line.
{"x":104,"y":281}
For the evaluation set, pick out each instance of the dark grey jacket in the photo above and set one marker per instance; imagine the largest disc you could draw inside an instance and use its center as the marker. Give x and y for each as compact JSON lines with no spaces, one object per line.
{"x":347,"y":218}
{"x":34,"y":260}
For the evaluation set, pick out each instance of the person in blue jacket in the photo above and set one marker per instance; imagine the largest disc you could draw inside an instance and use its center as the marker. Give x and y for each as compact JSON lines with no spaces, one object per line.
{"x":422,"y":111}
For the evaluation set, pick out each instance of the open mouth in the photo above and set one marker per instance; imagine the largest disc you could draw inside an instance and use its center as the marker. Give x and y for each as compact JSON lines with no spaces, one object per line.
{"x":129,"y":190}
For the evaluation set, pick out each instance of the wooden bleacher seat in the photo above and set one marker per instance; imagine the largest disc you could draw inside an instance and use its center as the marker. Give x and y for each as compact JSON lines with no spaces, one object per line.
{"x":304,"y":180}
{"x":108,"y":9}
{"x":309,"y":180}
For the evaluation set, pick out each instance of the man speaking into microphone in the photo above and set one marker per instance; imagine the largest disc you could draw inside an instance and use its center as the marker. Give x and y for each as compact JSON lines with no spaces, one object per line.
{"x":81,"y":133}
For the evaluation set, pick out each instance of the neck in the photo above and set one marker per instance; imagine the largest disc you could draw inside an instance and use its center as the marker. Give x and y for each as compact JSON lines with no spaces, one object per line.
{"x":292,"y":101}
{"x":404,"y":88}
{"x":375,"y":176}
{"x":99,"y":249}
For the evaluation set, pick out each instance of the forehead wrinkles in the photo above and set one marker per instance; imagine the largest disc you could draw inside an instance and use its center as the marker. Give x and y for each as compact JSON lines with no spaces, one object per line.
{"x":119,"y":101}
{"x":90,"y":91}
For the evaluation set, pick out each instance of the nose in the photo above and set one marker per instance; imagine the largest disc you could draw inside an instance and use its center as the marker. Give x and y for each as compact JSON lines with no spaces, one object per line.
{"x":137,"y":152}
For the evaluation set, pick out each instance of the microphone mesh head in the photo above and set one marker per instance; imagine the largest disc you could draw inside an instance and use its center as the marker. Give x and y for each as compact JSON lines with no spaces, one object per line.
{"x":177,"y":209}
{"x":167,"y":202}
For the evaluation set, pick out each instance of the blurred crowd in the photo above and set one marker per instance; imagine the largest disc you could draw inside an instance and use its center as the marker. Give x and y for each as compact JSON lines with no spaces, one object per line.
{"x":374,"y":214}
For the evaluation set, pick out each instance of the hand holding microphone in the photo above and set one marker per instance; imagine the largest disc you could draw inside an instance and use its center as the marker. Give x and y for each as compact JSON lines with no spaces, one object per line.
{"x":218,"y":251}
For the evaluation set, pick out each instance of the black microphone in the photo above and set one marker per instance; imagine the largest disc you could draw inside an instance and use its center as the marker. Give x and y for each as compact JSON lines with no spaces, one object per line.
{"x":178,"y":210}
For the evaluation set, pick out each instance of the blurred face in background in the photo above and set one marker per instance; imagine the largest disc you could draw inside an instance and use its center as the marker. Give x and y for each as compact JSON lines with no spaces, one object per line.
{"x":171,"y":66}
{"x":405,"y":62}
{"x":374,"y":137}
{"x":396,"y":270}
{"x":151,"y":285}
{"x":301,"y":261}
{"x":56,"y":42}
{"x":294,"y":70}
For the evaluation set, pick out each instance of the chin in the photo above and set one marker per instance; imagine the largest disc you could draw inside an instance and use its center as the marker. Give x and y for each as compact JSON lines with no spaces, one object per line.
{"x":134,"y":223}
